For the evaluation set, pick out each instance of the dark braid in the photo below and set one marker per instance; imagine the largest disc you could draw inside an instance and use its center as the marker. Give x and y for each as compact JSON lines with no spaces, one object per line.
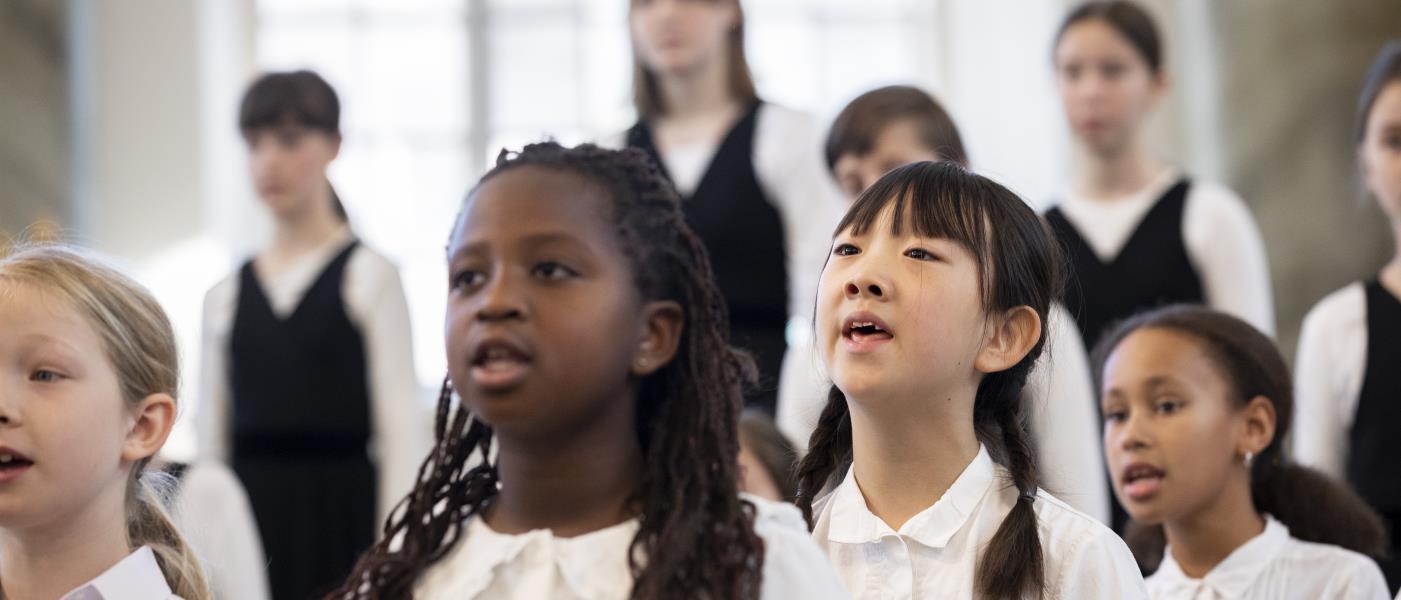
{"x":1019,"y":267}
{"x":696,"y":536}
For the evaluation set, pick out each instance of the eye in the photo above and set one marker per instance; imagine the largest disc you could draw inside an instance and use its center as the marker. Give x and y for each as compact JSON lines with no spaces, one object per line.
{"x":1168,"y":406}
{"x":846,"y":250}
{"x":465,"y":279}
{"x":1112,"y":71}
{"x":920,"y":254}
{"x":553,"y":271}
{"x":44,"y":376}
{"x":1116,"y":416}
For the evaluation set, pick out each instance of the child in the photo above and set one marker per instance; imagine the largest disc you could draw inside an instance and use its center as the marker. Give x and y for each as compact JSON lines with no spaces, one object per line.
{"x":897,"y":125}
{"x":1139,"y":232}
{"x":766,"y":459}
{"x":1193,"y":401}
{"x":1347,"y":380}
{"x":87,"y":397}
{"x":748,"y":170}
{"x":586,"y":340}
{"x":929,"y":319}
{"x":308,"y":376}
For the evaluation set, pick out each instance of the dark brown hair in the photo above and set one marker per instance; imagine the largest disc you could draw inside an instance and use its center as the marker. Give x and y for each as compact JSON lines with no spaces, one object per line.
{"x":696,"y":536}
{"x":297,"y":97}
{"x":1127,"y":18}
{"x":647,"y":94}
{"x":1313,"y":506}
{"x":773,"y":450}
{"x":856,"y":128}
{"x":1385,"y":69}
{"x":1018,"y":263}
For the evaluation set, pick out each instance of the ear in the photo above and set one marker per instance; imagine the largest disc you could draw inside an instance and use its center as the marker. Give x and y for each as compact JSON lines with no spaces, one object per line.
{"x":1012,"y":336}
{"x":1258,"y":426}
{"x":150,"y":426}
{"x":662,"y":324}
{"x":335,"y":146}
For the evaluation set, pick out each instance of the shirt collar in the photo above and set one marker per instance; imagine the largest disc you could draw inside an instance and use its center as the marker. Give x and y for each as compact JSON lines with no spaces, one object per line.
{"x":594,"y":565}
{"x":1234,"y":576}
{"x":853,"y":523}
{"x":136,"y":577}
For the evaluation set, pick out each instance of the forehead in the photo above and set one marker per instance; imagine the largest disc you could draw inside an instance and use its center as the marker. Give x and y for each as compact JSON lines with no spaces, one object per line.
{"x":1093,"y":38}
{"x":27,"y":309}
{"x":1386,"y":109}
{"x":1158,"y":353}
{"x":532,"y":199}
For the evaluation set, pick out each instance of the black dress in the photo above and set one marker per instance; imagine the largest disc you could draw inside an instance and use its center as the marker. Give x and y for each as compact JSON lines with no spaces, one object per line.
{"x":301,"y":423}
{"x":743,"y":233}
{"x":1153,"y":269}
{"x":1374,"y":445}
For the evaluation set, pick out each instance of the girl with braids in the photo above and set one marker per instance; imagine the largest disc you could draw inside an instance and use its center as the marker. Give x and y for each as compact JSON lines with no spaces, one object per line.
{"x":1196,"y":403}
{"x":1347,"y":381}
{"x":599,"y":405}
{"x":88,"y":381}
{"x":929,"y":318}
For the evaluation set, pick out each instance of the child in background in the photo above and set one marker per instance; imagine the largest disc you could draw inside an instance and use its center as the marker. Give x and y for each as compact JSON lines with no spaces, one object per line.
{"x":1195,"y":403}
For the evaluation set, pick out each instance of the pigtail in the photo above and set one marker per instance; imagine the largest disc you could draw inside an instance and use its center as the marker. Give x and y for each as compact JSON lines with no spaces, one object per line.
{"x":829,"y":452}
{"x":148,"y":524}
{"x":1316,"y":508}
{"x":1013,"y":565}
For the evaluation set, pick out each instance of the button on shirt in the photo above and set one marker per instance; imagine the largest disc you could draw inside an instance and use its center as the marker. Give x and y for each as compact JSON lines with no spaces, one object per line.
{"x":935,"y":553}
{"x":1275,"y":566}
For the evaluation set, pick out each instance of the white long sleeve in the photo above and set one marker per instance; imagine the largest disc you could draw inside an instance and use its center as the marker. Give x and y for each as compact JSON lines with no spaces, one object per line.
{"x":214,"y":514}
{"x":212,"y":415}
{"x":1225,"y":246}
{"x":401,"y":435}
{"x":1329,"y":369}
{"x":1065,"y":421}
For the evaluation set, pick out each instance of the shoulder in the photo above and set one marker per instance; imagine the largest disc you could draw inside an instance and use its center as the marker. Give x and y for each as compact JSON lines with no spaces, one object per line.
{"x":369,"y":272}
{"x":1337,"y":313}
{"x":1209,"y":202}
{"x":1343,"y":569}
{"x":1078,"y":547}
{"x":776,"y":118}
{"x":794,"y":566}
{"x":1064,"y":528}
{"x":777,"y":521}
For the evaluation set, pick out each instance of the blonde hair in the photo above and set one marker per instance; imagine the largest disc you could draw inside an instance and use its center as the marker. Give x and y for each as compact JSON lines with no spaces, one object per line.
{"x":140,"y":344}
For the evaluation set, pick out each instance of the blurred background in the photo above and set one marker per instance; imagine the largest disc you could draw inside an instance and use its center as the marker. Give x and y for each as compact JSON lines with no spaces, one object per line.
{"x":118,"y":119}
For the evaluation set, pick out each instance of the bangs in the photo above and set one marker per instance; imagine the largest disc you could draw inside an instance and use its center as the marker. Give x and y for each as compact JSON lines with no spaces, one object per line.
{"x":300,"y":98}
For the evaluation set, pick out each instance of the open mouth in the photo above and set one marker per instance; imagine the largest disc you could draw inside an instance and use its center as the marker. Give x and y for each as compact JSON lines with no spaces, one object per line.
{"x":1142,"y":481}
{"x":13,"y":464}
{"x":864,"y":330}
{"x":499,"y":364}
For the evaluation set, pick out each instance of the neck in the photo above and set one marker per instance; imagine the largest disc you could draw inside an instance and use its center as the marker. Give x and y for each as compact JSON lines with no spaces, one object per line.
{"x":1391,"y":273}
{"x":1202,"y":540}
{"x":698,"y":93}
{"x":1114,"y":174}
{"x":570,"y":484}
{"x":51,"y":560}
{"x":304,"y":230}
{"x":907,"y":456}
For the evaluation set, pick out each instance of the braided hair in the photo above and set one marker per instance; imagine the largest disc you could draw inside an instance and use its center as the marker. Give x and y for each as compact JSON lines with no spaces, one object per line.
{"x":1018,"y":264}
{"x":696,"y":536}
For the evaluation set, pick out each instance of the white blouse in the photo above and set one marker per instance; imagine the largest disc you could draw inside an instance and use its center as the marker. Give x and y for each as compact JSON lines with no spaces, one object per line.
{"x":594,"y":566}
{"x":1221,"y":238}
{"x":1275,"y":566}
{"x":935,"y":553}
{"x":374,"y":299}
{"x":1331,"y":364}
{"x":136,"y":577}
{"x":212,"y":511}
{"x":1061,"y":403}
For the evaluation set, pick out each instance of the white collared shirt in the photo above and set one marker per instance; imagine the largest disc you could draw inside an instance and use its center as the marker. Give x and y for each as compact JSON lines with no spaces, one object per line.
{"x":935,"y":553}
{"x":594,"y":566}
{"x":136,"y":577}
{"x":1275,"y":566}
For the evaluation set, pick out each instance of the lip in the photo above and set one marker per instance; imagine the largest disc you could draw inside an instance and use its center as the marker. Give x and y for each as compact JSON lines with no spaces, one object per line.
{"x":14,"y":471}
{"x":499,"y":362}
{"x":859,"y":343}
{"x":1141,"y":481}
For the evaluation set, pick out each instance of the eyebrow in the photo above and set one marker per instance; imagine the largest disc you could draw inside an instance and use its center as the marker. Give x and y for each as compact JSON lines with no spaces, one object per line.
{"x":533,"y":239}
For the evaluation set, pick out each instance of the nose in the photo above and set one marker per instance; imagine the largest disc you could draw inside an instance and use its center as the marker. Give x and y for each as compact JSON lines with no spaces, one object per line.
{"x":866,"y":286}
{"x":1133,"y":432}
{"x":501,"y":300}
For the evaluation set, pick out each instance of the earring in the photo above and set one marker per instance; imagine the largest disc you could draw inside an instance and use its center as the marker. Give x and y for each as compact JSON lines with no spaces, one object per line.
{"x":1249,"y":456}
{"x":639,"y":364}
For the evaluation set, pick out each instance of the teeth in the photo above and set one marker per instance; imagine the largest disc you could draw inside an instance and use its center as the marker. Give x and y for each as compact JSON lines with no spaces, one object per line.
{"x":6,"y":458}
